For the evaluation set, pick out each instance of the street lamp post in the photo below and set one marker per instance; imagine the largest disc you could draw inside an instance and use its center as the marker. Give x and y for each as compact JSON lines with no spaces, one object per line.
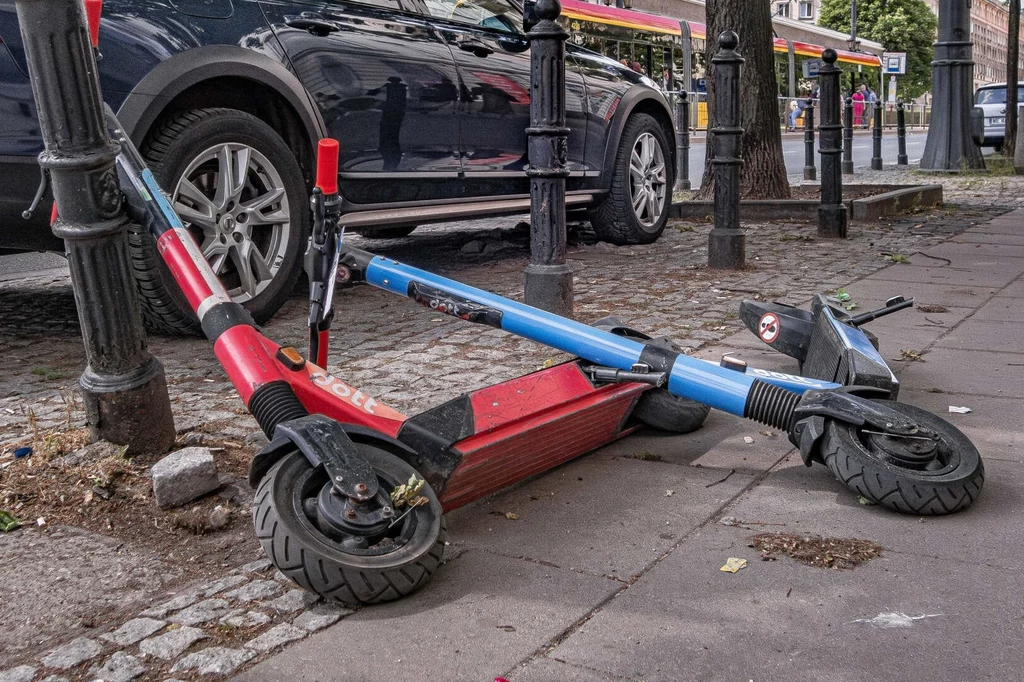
{"x":949,"y":147}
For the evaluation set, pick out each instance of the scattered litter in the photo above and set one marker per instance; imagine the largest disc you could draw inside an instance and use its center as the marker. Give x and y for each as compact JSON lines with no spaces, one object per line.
{"x":748,"y":440}
{"x":670,"y":493}
{"x":733,"y":565}
{"x":511,"y":516}
{"x":22,"y":452}
{"x":549,"y":363}
{"x":506,"y":628}
{"x":842,"y":296}
{"x":911,"y":355}
{"x":894,"y":620}
{"x":932,"y":308}
{"x":409,"y":493}
{"x":817,"y":551}
{"x":959,"y":410}
{"x":40,"y":521}
{"x":8,"y":522}
{"x":865,"y":501}
{"x":896,"y":258}
{"x":770,"y":434}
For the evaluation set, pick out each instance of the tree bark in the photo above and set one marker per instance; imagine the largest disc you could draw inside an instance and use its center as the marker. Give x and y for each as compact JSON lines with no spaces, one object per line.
{"x":764,"y":168}
{"x":1012,"y":78}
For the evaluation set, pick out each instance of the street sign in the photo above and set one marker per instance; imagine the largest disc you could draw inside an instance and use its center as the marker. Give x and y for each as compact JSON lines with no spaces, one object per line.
{"x":892,"y":90}
{"x":811,"y":68}
{"x":894,"y":63}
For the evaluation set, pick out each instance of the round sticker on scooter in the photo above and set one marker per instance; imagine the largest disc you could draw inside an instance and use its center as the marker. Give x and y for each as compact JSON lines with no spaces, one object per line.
{"x":768,"y":328}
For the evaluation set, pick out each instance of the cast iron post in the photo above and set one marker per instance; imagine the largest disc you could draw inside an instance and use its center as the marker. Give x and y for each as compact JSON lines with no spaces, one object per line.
{"x":548,"y":277}
{"x":123,"y":385}
{"x":847,"y":137}
{"x":832,"y":212}
{"x":726,"y":248}
{"x":683,"y":141}
{"x":949,"y":146}
{"x":810,"y":172}
{"x":901,"y":135}
{"x":876,"y":137}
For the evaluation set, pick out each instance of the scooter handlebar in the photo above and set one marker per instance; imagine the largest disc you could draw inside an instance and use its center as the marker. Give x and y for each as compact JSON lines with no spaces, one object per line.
{"x":327,"y":166}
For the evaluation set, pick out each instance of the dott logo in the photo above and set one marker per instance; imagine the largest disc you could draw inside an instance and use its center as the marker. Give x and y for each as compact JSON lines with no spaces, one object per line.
{"x":768,"y":328}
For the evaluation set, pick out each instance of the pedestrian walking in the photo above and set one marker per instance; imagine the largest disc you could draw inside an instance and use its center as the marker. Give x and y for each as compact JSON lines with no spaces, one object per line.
{"x":870,"y":99}
{"x":858,"y":105}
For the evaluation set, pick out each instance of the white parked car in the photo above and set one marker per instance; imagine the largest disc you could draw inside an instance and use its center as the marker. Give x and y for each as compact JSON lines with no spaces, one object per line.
{"x":991,"y":99}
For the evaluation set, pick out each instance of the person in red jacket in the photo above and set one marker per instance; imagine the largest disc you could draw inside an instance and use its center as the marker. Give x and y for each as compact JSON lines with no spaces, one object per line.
{"x":858,"y":105}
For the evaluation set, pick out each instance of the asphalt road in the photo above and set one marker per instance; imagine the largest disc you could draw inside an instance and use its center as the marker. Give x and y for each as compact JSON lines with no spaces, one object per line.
{"x":793,"y":148}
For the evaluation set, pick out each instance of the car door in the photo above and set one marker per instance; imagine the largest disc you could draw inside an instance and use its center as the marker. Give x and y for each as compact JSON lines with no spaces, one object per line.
{"x":493,"y":59}
{"x":20,"y":144}
{"x":385,"y":84}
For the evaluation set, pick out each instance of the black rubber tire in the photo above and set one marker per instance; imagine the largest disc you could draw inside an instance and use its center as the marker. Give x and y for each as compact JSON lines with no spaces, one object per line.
{"x":953,"y":487}
{"x":387,"y":232}
{"x":179,"y":139}
{"x":317,"y":563}
{"x":661,"y":410}
{"x":613,"y":218}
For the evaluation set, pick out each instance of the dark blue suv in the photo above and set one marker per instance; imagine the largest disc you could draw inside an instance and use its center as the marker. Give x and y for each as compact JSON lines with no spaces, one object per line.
{"x":429,"y":99}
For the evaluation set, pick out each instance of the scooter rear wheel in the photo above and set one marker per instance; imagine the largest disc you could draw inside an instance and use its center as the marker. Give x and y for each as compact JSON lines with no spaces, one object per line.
{"x":937,"y":472}
{"x":353,"y":569}
{"x":659,"y":409}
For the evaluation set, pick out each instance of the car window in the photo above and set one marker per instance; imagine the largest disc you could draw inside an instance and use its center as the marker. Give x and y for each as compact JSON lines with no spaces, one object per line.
{"x":991,"y":96}
{"x":499,"y":15}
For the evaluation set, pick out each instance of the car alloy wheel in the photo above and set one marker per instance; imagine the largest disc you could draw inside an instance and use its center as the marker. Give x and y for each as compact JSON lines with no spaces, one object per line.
{"x":648,"y":179}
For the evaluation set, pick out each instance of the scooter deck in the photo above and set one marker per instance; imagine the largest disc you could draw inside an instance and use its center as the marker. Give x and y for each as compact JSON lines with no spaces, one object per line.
{"x":533,"y":423}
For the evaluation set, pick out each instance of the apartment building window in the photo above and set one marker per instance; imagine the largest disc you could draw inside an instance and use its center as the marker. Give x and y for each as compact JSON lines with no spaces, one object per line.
{"x":782,"y":9}
{"x":806,"y":10}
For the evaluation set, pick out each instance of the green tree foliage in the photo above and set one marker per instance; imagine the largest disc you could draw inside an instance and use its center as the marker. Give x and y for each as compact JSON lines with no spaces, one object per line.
{"x":900,"y":25}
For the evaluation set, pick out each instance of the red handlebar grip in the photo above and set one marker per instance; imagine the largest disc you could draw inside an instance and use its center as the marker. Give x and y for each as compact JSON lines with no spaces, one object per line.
{"x":93,"y":9}
{"x":327,"y":166}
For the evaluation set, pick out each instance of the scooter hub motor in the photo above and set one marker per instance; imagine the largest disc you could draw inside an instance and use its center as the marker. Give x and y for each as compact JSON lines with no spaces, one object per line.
{"x":344,"y":518}
{"x":920,"y":452}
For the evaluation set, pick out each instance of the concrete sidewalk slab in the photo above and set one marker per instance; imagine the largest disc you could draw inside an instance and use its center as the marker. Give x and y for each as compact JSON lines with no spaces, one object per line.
{"x":1001,"y":309}
{"x":1014,"y":290}
{"x":975,"y":237}
{"x":480,"y":616}
{"x":1000,"y":337}
{"x":598,"y":515}
{"x":945,"y":369}
{"x":781,"y":620}
{"x":996,"y":275}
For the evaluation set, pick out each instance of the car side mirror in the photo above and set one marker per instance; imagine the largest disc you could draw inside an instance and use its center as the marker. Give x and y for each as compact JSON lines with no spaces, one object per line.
{"x":529,"y":15}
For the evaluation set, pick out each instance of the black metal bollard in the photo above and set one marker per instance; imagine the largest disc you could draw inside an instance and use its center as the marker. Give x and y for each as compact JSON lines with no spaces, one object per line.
{"x":810,"y":172}
{"x":123,"y":385}
{"x":901,"y":135}
{"x":832,"y":216}
{"x":548,"y":277}
{"x":876,"y":137}
{"x":683,"y":141}
{"x":847,"y":137}
{"x":726,"y":243}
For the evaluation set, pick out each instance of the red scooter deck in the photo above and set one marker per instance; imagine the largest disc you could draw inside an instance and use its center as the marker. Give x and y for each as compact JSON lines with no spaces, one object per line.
{"x":533,"y":423}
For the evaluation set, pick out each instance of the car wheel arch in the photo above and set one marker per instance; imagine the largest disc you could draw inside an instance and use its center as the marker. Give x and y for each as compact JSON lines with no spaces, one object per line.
{"x":170,"y":83}
{"x":637,"y":101}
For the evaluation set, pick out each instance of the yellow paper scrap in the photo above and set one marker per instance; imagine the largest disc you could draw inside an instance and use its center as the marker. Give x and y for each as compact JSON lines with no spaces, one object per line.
{"x":732,"y":565}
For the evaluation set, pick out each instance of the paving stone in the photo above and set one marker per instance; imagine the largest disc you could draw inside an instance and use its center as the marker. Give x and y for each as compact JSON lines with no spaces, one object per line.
{"x":120,"y":667}
{"x":214,"y":661}
{"x":23,"y":673}
{"x":320,"y":617}
{"x":133,"y":631}
{"x":248,"y":619}
{"x":173,"y":643}
{"x":276,"y":636}
{"x":183,"y":476}
{"x":210,"y":589}
{"x":255,"y":566}
{"x":258,"y":589}
{"x":292,"y":600}
{"x":55,"y":678}
{"x":176,"y":604}
{"x":203,"y":612}
{"x":71,"y":654}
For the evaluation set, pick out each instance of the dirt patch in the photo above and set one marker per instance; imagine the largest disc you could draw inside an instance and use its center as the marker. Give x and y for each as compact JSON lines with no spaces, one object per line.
{"x":816,"y":551}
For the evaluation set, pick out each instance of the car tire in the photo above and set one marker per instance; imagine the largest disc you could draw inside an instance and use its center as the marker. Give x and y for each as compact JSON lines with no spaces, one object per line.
{"x":253,"y":233}
{"x":636,"y":207}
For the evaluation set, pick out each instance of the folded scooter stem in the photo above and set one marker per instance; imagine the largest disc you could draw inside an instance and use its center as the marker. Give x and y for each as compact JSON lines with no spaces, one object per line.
{"x":725,"y":389}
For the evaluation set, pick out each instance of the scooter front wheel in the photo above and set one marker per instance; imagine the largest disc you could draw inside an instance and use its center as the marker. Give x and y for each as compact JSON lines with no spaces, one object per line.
{"x":937,"y":471}
{"x":369,"y":564}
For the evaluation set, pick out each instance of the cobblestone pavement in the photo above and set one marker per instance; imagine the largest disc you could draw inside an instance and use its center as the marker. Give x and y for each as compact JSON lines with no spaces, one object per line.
{"x":411,"y":359}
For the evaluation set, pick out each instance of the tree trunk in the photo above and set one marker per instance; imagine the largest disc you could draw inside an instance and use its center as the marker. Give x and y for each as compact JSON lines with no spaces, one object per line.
{"x":1012,"y":77}
{"x":764,"y":168}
